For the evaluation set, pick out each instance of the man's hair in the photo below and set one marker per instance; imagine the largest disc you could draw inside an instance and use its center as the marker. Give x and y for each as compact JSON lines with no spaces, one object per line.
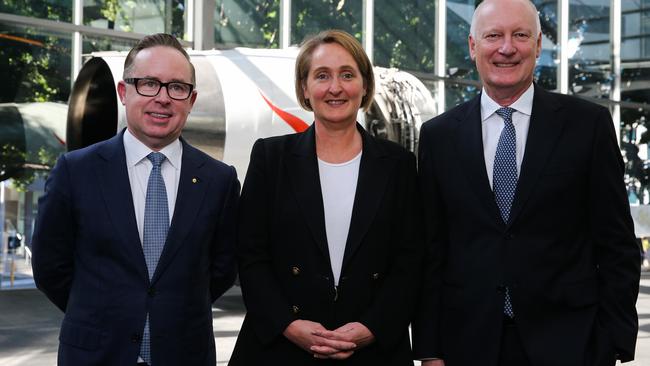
{"x":155,"y":40}
{"x":350,"y":44}
{"x":472,"y":28}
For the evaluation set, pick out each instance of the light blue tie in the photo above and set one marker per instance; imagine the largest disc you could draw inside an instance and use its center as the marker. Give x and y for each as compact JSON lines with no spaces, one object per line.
{"x":504,"y":177}
{"x":156,"y":224}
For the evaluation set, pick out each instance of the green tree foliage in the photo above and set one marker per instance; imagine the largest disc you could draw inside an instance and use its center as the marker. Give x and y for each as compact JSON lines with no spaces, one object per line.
{"x":252,"y":23}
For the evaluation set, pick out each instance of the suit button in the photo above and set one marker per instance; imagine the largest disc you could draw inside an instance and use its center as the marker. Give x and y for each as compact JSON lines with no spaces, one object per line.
{"x":151,"y":292}
{"x":295,"y":309}
{"x":295,"y":270}
{"x":501,"y":288}
{"x":136,"y":338}
{"x":375,"y":276}
{"x":510,"y":236}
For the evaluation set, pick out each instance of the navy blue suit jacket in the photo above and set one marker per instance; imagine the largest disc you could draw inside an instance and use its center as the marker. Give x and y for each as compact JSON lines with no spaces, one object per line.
{"x":568,"y":254}
{"x":88,"y":259}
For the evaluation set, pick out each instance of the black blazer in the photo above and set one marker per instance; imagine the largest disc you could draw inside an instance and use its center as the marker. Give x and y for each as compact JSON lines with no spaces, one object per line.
{"x":284,"y":261}
{"x":568,"y":256}
{"x":88,"y":259}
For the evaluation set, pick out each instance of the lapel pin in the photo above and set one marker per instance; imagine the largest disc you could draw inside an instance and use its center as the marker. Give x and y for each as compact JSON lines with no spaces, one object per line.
{"x":195,"y":180}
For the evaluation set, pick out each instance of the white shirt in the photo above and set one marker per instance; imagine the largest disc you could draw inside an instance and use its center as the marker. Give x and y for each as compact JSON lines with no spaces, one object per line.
{"x":492,"y":124}
{"x":338,"y":185}
{"x":139,"y":168}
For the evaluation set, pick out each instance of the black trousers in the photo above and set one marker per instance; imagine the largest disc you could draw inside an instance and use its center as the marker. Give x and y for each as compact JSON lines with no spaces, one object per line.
{"x":512,"y":351}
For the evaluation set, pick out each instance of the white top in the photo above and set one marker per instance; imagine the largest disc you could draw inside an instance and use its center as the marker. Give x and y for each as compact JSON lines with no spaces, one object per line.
{"x":493,"y":124}
{"x":139,"y":168}
{"x":338,"y":184}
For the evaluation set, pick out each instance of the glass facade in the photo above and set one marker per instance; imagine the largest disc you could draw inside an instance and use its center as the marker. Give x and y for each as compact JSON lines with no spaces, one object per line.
{"x":38,"y":54}
{"x":310,"y":17}
{"x":252,"y":23}
{"x":136,"y":16}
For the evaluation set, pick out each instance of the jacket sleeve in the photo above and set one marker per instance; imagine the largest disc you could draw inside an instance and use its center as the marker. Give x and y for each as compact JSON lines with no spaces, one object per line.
{"x":392,"y":308}
{"x":426,"y":321}
{"x":223,"y":266}
{"x":618,"y":256}
{"x":264,"y":299}
{"x":53,"y":243}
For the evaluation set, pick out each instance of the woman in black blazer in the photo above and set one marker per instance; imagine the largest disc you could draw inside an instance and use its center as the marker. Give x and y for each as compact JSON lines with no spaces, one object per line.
{"x":328,"y":249}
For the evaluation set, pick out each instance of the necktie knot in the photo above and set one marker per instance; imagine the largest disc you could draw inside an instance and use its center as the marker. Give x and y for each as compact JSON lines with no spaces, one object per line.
{"x":505,"y":113}
{"x":156,"y":158}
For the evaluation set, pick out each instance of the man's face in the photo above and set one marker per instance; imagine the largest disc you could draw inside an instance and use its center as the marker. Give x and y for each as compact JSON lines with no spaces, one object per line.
{"x":157,"y":121}
{"x":505,"y":48}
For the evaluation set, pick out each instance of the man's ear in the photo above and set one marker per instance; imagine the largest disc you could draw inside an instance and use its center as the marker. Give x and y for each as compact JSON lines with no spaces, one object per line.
{"x":121,"y":91}
{"x":472,"y":46}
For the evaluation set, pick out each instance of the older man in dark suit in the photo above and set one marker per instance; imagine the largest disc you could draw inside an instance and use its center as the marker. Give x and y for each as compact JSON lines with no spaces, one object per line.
{"x":134,"y":236}
{"x":532,"y":255}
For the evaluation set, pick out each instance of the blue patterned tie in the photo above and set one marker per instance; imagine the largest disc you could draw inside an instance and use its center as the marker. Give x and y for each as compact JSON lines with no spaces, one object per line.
{"x":504,"y":177}
{"x":156,"y":224}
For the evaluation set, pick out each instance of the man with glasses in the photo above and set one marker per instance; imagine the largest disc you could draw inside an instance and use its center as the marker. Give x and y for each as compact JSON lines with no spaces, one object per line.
{"x":134,"y":236}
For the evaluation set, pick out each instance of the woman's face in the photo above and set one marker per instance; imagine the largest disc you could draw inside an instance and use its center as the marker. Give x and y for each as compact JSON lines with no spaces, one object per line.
{"x":334,"y":85}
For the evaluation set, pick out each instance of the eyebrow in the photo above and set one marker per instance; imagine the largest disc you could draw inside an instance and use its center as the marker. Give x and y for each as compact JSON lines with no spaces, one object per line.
{"x":343,"y":67}
{"x":174,"y":80}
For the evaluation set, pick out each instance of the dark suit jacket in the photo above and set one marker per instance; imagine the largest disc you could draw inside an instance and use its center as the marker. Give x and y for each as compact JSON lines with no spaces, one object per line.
{"x":284,"y":261}
{"x":568,"y":256}
{"x":88,"y":259}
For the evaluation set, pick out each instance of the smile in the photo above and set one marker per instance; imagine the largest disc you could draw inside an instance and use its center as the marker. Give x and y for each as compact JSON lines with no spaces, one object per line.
{"x":336,"y":102}
{"x":511,"y":64}
{"x":159,"y":115}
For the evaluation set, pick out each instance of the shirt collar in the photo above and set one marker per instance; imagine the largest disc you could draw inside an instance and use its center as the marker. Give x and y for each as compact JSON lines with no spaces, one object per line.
{"x":523,"y":105}
{"x":135,"y":150}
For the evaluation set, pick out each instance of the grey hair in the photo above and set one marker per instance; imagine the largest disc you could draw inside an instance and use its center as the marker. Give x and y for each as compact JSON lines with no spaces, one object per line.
{"x":538,"y":25}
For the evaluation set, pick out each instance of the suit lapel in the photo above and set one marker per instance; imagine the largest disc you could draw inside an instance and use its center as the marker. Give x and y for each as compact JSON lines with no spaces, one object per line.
{"x":114,"y":183}
{"x":192,"y":187}
{"x":303,"y":171}
{"x":545,"y":128}
{"x":371,"y":184}
{"x":469,"y":145}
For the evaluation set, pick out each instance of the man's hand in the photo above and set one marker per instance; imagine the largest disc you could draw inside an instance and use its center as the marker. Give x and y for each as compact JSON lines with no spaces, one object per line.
{"x":433,"y":363}
{"x":355,"y":333}
{"x":304,"y":334}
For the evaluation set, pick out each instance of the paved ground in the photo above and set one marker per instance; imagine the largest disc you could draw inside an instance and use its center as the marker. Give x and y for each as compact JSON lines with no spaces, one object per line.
{"x":29,"y":327}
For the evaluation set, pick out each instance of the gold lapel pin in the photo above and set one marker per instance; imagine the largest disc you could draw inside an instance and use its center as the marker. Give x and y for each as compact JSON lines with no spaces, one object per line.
{"x":194,"y":180}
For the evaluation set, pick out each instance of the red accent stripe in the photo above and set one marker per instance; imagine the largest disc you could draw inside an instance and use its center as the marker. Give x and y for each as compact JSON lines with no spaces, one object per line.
{"x":296,"y":123}
{"x":60,"y":140}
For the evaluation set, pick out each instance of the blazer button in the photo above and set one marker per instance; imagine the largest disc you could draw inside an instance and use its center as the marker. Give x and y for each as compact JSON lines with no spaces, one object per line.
{"x":295,"y":309}
{"x":136,"y":338}
{"x":375,"y":276}
{"x":501,"y":288}
{"x":295,"y":270}
{"x":151,"y":292}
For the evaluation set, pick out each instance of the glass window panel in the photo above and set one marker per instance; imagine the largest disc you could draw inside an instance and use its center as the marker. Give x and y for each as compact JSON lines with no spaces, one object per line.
{"x":460,"y":92}
{"x":250,"y":23}
{"x":635,"y":52}
{"x":35,"y":71}
{"x":635,"y":94}
{"x":546,"y":70}
{"x":96,"y":44}
{"x":312,"y":16}
{"x":145,"y":17}
{"x":459,"y":63}
{"x":42,"y":9}
{"x":403,"y":34}
{"x":34,"y":64}
{"x":634,"y":146}
{"x":589,"y":49}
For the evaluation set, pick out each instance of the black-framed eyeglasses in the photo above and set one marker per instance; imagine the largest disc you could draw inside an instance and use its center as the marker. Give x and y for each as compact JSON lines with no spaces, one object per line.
{"x":151,"y":87}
